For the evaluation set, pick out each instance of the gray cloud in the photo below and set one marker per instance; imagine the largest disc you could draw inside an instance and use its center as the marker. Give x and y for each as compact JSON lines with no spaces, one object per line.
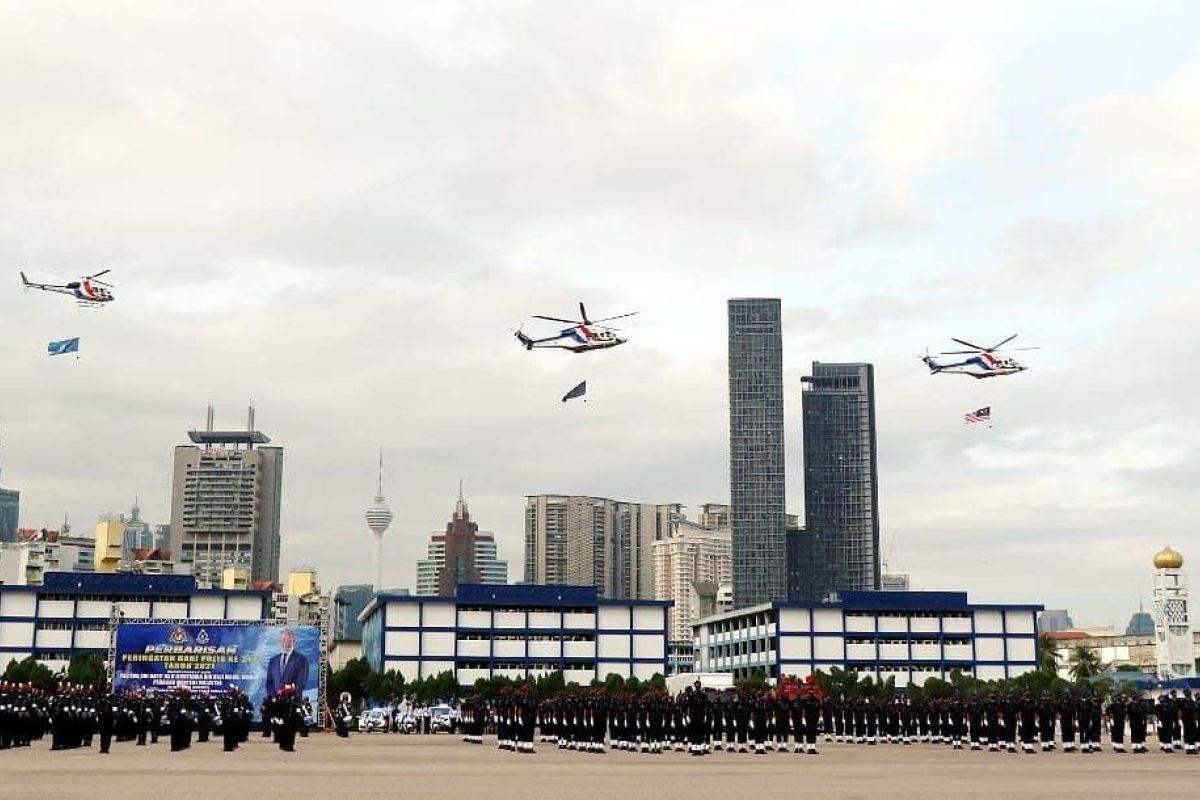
{"x":344,"y":213}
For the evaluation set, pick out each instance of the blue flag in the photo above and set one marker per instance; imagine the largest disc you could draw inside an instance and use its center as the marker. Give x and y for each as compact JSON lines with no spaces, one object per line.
{"x":65,"y":346}
{"x":578,"y":391}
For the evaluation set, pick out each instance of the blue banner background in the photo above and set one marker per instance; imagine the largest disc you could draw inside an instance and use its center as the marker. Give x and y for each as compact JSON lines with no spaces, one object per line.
{"x":247,"y":666}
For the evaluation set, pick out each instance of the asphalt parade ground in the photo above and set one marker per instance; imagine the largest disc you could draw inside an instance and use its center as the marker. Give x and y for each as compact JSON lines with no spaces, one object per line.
{"x":441,"y":766}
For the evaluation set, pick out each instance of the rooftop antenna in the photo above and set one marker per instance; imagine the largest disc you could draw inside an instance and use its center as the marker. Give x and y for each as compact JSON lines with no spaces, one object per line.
{"x":210,"y":417}
{"x":250,"y":425}
{"x":891,"y":547}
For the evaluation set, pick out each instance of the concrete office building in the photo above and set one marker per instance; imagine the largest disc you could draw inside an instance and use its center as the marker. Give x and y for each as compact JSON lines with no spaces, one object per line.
{"x":756,"y":451}
{"x":839,"y":547}
{"x":460,"y":554}
{"x":909,"y":636}
{"x":690,"y":567}
{"x":27,"y":563}
{"x":594,"y":541}
{"x":516,"y":632}
{"x":71,"y":612}
{"x":225,"y":503}
{"x":300,"y":601}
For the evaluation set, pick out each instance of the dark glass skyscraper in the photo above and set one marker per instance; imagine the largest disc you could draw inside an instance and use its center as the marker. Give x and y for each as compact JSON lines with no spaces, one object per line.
{"x":841,"y":492}
{"x":756,"y":454}
{"x":10,"y":512}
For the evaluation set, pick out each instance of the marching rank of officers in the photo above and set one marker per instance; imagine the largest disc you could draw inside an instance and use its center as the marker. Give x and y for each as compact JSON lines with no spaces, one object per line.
{"x":75,"y":716}
{"x":793,"y":716}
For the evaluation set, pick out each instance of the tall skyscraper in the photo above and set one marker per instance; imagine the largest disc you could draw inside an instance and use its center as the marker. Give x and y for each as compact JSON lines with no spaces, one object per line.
{"x":137,"y":534}
{"x":1053,"y":620}
{"x":379,"y":517}
{"x":841,"y":493}
{"x":463,"y":554}
{"x":348,"y":603}
{"x":756,"y":451}
{"x":10,"y":512}
{"x":690,"y":568}
{"x":593,"y":541}
{"x":225,"y":501}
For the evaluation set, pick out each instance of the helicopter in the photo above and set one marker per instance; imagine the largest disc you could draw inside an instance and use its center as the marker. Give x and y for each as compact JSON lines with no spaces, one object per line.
{"x":584,"y":334}
{"x":87,"y":291}
{"x":985,"y":362}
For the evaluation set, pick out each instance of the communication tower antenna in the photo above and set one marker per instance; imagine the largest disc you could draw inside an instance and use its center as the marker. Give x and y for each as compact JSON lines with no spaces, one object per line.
{"x":379,"y":517}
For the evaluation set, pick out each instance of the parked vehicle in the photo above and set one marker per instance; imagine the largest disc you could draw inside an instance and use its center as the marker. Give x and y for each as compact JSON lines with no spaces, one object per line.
{"x":374,"y":720}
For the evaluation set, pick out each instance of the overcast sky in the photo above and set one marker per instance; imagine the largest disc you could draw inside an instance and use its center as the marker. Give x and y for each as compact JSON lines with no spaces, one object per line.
{"x":342,"y":211}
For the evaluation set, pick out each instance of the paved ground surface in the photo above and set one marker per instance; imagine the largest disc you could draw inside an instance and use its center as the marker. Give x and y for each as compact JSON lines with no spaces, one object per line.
{"x":379,"y":765}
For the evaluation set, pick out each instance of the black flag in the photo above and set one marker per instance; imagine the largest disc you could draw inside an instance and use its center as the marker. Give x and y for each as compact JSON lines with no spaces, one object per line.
{"x":578,"y":391}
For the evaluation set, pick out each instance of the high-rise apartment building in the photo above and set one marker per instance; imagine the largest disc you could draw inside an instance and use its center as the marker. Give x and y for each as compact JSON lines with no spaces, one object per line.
{"x":690,"y":568}
{"x":594,"y":541}
{"x":841,"y":492}
{"x":756,"y":451}
{"x":463,"y":554}
{"x":225,"y":503}
{"x":10,"y":513}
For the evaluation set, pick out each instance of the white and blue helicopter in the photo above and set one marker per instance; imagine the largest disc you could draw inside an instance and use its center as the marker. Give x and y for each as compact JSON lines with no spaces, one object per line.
{"x":87,"y":290}
{"x":984,"y":362}
{"x":583,"y":336}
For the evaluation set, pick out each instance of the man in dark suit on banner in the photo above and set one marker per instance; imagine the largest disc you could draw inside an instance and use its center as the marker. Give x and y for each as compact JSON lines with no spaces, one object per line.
{"x":288,"y":667}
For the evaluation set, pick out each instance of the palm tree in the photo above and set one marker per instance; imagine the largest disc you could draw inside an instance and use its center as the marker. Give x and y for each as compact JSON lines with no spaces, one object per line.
{"x":1047,"y":655}
{"x":1084,"y":663}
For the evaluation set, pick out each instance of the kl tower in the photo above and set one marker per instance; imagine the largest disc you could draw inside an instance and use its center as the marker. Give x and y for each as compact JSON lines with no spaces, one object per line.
{"x":379,"y":517}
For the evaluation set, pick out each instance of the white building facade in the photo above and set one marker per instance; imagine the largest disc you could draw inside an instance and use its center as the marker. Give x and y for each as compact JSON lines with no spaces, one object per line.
{"x":517,"y":632}
{"x":909,"y":636}
{"x":71,"y":612}
{"x":27,"y":563}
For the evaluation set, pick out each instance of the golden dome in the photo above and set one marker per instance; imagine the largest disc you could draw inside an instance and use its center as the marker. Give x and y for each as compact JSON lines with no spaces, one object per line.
{"x":1167,"y":559}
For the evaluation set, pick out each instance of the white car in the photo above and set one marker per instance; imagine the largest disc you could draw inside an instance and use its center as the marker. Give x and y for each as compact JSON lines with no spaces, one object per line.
{"x":374,"y":719}
{"x":441,"y":718}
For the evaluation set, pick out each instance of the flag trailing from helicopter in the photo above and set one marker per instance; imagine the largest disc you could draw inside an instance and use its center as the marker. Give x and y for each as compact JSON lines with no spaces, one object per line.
{"x":579,"y":391}
{"x":979,"y":415}
{"x":63,"y":347}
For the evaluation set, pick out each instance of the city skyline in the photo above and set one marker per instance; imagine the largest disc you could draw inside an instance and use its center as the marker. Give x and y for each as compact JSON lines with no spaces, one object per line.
{"x":895,"y":180}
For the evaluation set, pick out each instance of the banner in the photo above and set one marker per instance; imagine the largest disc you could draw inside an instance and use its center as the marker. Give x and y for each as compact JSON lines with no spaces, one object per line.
{"x":258,"y":659}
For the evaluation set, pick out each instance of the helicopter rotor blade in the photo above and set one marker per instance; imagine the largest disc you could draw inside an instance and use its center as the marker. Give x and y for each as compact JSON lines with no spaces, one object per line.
{"x":583,"y":315}
{"x":101,"y":272}
{"x":558,"y":319}
{"x":619,"y":316}
{"x":1016,"y":349}
{"x":959,"y":353}
{"x":968,"y":344}
{"x":1006,"y":341}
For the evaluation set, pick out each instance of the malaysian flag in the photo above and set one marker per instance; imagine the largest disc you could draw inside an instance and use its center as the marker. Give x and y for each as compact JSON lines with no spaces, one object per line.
{"x":981,"y":415}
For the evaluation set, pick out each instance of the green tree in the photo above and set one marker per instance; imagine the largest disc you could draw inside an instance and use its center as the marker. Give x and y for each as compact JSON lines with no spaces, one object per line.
{"x":656,"y":683}
{"x":1084,"y":663}
{"x":757,"y":679}
{"x":88,"y":669}
{"x":354,"y":677}
{"x":29,"y":671}
{"x":1047,"y":655}
{"x":549,"y":684}
{"x":613,"y":683}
